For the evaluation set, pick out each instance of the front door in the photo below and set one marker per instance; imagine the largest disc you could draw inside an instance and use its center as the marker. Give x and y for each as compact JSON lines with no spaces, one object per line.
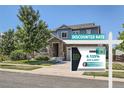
{"x":55,"y":49}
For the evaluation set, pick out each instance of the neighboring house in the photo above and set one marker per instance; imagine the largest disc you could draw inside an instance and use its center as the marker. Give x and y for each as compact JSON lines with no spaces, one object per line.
{"x":118,"y":56}
{"x":1,"y":35}
{"x":118,"y":52}
{"x":57,"y":47}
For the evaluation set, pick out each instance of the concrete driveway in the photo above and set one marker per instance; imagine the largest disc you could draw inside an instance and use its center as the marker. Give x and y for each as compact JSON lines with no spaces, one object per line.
{"x":61,"y":69}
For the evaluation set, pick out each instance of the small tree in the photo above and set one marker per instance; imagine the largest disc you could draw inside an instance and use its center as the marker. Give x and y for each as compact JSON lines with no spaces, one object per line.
{"x":33,"y":34}
{"x":7,"y":42}
{"x":121,"y":37}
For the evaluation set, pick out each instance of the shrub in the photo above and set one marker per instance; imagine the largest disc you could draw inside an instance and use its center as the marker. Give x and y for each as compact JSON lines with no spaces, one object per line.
{"x":18,"y":55}
{"x":3,"y":58}
{"x":42,"y":58}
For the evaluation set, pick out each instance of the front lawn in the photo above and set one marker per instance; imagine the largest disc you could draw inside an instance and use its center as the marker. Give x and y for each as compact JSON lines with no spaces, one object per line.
{"x":18,"y":67}
{"x":31,"y":62}
{"x":25,"y":64}
{"x":116,"y":66}
{"x":105,"y":74}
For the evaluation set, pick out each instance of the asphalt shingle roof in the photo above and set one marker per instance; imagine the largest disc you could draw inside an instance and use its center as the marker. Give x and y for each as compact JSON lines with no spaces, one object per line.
{"x":78,"y":26}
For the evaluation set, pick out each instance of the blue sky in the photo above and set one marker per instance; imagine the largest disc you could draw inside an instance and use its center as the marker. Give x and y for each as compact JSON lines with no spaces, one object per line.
{"x":110,"y":18}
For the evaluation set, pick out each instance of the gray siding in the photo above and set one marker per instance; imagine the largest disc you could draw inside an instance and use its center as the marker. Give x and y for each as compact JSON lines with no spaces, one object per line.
{"x":57,"y":33}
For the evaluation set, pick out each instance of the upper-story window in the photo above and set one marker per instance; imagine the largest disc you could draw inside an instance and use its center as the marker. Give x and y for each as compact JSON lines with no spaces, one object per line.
{"x":76,"y":32}
{"x":83,"y":31}
{"x":64,"y":34}
{"x":88,"y":31}
{"x":94,"y":32}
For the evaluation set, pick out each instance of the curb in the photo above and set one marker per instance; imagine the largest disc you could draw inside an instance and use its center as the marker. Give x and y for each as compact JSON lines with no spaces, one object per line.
{"x":72,"y":76}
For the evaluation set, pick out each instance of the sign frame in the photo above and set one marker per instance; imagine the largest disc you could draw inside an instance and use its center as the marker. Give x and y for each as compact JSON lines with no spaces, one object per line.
{"x":109,"y":42}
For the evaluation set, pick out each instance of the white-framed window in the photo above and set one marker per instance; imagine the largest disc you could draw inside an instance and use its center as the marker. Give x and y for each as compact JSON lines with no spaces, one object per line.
{"x":83,"y":31}
{"x":94,"y":32}
{"x":76,"y":32}
{"x":64,"y":34}
{"x":88,"y":31}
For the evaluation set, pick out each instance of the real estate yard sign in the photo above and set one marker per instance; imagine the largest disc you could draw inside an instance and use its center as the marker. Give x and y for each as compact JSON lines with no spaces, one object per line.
{"x":88,"y":58}
{"x":93,"y":40}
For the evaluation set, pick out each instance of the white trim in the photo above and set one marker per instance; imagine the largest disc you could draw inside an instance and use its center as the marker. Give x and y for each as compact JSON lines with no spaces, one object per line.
{"x":88,"y":31}
{"x":80,"y":42}
{"x":53,"y":36}
{"x":50,"y":39}
{"x":67,"y":52}
{"x":76,"y":32}
{"x":57,"y":38}
{"x":66,"y":34}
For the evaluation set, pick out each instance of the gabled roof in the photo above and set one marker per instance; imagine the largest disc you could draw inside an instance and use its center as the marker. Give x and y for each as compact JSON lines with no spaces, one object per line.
{"x":64,"y":27}
{"x":78,"y":26}
{"x":53,"y":36}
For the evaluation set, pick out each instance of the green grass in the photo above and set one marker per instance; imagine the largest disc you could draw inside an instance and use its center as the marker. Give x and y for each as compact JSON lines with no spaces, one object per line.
{"x":31,"y":62}
{"x":105,"y":74}
{"x":116,"y":66}
{"x":18,"y":67}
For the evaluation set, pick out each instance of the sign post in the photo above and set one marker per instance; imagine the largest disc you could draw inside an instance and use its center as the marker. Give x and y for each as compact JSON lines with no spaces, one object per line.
{"x":110,"y":61}
{"x":97,"y":40}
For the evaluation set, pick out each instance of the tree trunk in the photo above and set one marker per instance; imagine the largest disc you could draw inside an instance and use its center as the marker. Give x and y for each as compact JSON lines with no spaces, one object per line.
{"x":33,"y":54}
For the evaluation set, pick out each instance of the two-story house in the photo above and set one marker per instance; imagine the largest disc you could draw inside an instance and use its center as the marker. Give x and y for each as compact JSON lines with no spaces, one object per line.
{"x":57,"y":47}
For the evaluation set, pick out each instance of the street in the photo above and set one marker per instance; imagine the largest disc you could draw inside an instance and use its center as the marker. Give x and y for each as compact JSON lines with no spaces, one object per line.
{"x":26,"y":80}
